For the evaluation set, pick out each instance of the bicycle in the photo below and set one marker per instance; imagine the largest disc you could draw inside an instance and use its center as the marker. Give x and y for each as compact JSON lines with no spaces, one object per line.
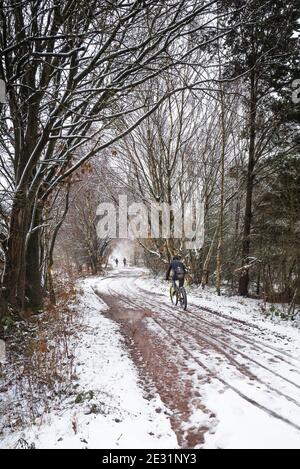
{"x":178,"y":295}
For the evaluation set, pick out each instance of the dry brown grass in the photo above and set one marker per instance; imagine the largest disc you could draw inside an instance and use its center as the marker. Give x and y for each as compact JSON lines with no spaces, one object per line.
{"x":40,"y":368}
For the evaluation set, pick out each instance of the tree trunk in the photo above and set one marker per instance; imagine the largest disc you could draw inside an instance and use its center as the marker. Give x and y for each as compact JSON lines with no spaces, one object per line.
{"x":205,"y":270}
{"x":51,"y":245}
{"x":221,"y":215}
{"x":34,"y":291}
{"x":244,"y":279}
{"x":14,"y":278}
{"x":258,"y":282}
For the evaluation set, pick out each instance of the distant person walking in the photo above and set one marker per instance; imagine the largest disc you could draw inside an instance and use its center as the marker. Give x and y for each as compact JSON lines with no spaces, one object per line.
{"x":117,"y":262}
{"x":125,"y":261}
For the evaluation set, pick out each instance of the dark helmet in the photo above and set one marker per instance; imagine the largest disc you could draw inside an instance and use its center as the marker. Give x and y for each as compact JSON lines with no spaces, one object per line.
{"x":177,"y":258}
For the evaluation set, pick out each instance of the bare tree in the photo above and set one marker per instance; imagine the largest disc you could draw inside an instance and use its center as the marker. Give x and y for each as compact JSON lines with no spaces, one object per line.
{"x":71,"y":69}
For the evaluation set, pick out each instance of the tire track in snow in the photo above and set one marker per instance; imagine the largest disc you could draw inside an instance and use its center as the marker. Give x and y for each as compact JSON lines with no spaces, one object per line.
{"x":141,"y":302}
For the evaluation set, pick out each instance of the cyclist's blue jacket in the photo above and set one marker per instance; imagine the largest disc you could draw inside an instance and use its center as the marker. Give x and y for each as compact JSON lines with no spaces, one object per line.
{"x":177,"y":267}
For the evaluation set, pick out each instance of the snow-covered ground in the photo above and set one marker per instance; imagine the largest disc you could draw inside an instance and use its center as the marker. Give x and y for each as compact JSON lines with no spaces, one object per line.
{"x":242,"y":367}
{"x":111,"y":410}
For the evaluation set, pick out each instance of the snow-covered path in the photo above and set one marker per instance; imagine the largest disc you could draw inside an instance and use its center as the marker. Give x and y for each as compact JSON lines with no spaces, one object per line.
{"x":230,"y":379}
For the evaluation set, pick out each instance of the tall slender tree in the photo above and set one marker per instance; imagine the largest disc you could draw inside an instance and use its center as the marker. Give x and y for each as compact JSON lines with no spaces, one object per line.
{"x":262,"y":44}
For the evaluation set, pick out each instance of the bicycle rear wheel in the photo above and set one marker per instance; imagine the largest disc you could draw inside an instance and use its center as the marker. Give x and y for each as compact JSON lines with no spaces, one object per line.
{"x":183,"y":298}
{"x":173,"y":295}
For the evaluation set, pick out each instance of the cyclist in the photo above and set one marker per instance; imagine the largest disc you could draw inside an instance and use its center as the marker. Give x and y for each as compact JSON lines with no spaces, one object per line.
{"x":179,"y":271}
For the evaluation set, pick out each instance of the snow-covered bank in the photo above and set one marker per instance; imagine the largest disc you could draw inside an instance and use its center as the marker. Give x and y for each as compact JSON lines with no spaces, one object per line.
{"x":108,"y":409}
